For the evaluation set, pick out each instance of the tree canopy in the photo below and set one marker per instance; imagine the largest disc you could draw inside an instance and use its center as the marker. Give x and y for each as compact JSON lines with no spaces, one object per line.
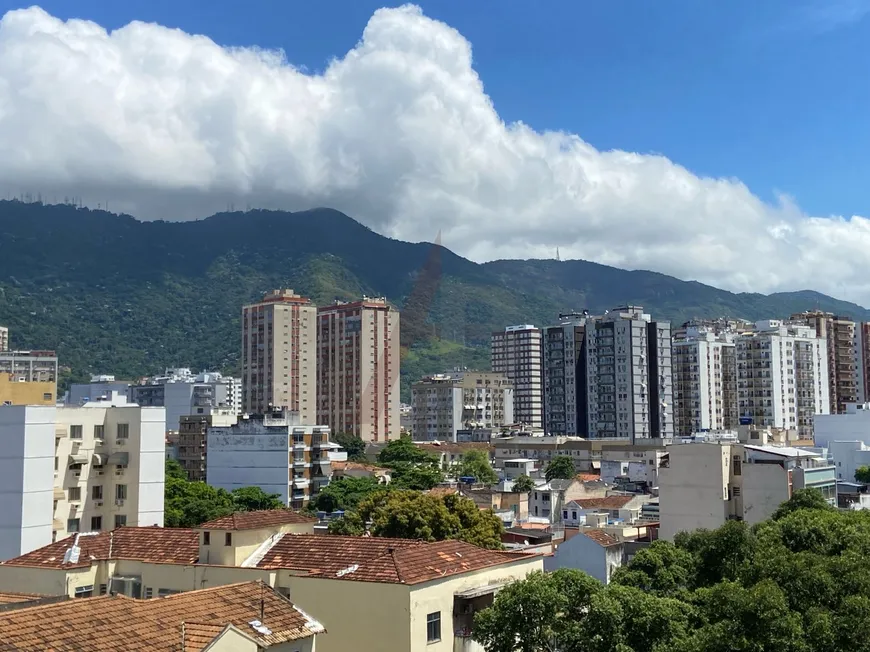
{"x":344,"y":493}
{"x":561,"y":467}
{"x":523,"y":484}
{"x":475,"y":463}
{"x":799,"y":582}
{"x":403,"y":450}
{"x":355,"y":446}
{"x":862,"y":474}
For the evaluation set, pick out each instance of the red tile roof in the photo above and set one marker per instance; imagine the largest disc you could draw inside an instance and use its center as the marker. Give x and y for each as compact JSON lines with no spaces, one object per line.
{"x":601,"y":537}
{"x":154,"y":544}
{"x":608,"y":502}
{"x":257,"y":520}
{"x":120,"y":624}
{"x":359,"y":466}
{"x":18,"y":598}
{"x":373,"y":559}
{"x":588,"y":477}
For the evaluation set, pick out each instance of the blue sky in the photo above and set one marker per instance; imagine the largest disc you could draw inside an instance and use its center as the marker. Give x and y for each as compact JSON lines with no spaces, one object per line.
{"x":774,"y":93}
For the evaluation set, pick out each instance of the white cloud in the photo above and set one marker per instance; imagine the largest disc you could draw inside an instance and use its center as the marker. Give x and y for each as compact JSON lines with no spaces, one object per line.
{"x":398,"y":133}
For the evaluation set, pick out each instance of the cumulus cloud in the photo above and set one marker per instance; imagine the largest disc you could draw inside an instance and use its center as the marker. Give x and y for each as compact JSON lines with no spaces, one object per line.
{"x":397,"y":133}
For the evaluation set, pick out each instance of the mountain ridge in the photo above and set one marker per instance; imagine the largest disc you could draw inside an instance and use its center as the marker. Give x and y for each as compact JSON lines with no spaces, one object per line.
{"x":113,"y":294}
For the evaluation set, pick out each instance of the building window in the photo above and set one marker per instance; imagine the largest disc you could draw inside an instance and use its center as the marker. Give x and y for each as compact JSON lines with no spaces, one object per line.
{"x":162,"y":593}
{"x":72,"y":525}
{"x":123,"y":431}
{"x":206,"y":538}
{"x":228,"y":539}
{"x":98,"y":432}
{"x":103,"y":589}
{"x":75,"y":432}
{"x":149,"y":592}
{"x":120,"y":520}
{"x":84,"y":591}
{"x":46,"y":396}
{"x":97,"y":492}
{"x":737,"y":466}
{"x":96,"y":523}
{"x":121,"y":492}
{"x":433,"y":627}
{"x":74,"y":494}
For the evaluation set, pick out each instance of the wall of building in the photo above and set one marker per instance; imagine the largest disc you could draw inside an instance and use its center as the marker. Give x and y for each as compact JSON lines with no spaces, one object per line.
{"x":848,"y":456}
{"x":241,"y":456}
{"x":582,"y":553}
{"x":693,"y":489}
{"x":14,"y":392}
{"x":244,"y":542}
{"x":763,"y":488}
{"x":852,"y":426}
{"x":26,"y":478}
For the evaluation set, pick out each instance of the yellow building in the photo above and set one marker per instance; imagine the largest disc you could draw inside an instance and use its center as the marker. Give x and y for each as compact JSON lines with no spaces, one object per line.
{"x":22,"y":392}
{"x":246,"y":617}
{"x":371,"y":594}
{"x":28,"y":377}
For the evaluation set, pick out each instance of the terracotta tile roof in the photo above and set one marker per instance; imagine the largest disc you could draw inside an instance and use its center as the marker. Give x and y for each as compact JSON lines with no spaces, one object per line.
{"x":18,"y":598}
{"x":373,"y":559}
{"x":197,"y":636}
{"x":588,"y":477}
{"x":122,"y":624}
{"x":358,"y":466}
{"x":608,"y":502}
{"x":155,"y":544}
{"x":601,"y":537}
{"x":440,"y":492}
{"x":256,"y":520}
{"x":456,"y":447}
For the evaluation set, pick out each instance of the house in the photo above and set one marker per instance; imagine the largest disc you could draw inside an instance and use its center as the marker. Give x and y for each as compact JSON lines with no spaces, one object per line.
{"x":625,"y":509}
{"x":514,"y":468}
{"x":244,"y":617}
{"x":369,"y":593}
{"x":592,"y":551}
{"x":360,"y":470}
{"x":547,"y":498}
{"x":499,"y":499}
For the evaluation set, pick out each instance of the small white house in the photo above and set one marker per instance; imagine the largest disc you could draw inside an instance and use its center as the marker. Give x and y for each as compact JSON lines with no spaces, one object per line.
{"x":592,"y":551}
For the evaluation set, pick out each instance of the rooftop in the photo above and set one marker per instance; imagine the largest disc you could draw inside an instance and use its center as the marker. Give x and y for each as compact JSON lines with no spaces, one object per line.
{"x":600,"y":537}
{"x":373,"y":559}
{"x":608,"y":502}
{"x":358,"y":466}
{"x":19,"y":598}
{"x":185,"y":621}
{"x":257,"y":520}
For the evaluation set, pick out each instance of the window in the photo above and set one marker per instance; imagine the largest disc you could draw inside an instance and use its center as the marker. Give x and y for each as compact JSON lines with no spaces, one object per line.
{"x":120,"y":520}
{"x":737,"y":469}
{"x":74,"y":494}
{"x":123,"y":431}
{"x":206,"y":538}
{"x":228,"y":539}
{"x":162,"y":593}
{"x":75,"y":432}
{"x":46,"y":396}
{"x":84,"y":591}
{"x":149,"y":592}
{"x":97,"y":492}
{"x":121,"y":492}
{"x":103,"y":589}
{"x":96,"y":523}
{"x":99,"y":431}
{"x":72,"y":525}
{"x":574,"y":515}
{"x":433,"y":627}
{"x":565,"y":514}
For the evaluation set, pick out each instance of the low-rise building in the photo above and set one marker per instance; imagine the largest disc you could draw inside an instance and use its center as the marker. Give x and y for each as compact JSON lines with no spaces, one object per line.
{"x":369,"y":593}
{"x":192,"y":433}
{"x":245,"y":617}
{"x":548,"y":498}
{"x":446,"y":403}
{"x":705,"y":484}
{"x":100,"y":387}
{"x":592,"y":551}
{"x":28,"y":377}
{"x":614,"y":510}
{"x":274,"y":452}
{"x":345,"y":469}
{"x":70,"y":469}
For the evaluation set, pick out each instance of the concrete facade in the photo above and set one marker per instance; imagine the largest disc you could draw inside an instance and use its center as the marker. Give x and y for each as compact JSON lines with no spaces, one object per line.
{"x":564,"y":368}
{"x":517,"y":353}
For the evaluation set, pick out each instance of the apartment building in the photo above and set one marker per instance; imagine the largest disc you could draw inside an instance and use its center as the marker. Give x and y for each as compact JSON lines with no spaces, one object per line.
{"x":516,"y":353}
{"x":4,"y":339}
{"x":28,"y":378}
{"x":782,"y":375}
{"x":184,"y":393}
{"x":705,"y":381}
{"x":358,"y":352}
{"x":628,"y":377}
{"x":861,"y":352}
{"x":703,"y":485}
{"x":276,"y":452}
{"x":564,"y":365}
{"x":369,"y":593}
{"x":99,"y":387}
{"x":191,"y":439}
{"x":841,"y":337}
{"x":78,"y":469}
{"x":444,"y":404}
{"x":247,"y":617}
{"x":279,"y":355}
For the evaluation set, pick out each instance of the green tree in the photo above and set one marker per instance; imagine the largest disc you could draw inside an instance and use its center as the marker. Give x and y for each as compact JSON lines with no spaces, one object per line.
{"x":173,"y":469}
{"x":475,"y":463}
{"x":523,"y":484}
{"x":418,"y":478}
{"x":561,"y":467}
{"x":403,"y":450}
{"x":348,"y":525}
{"x":250,"y":499}
{"x":662,"y":569}
{"x":802,"y":499}
{"x":188,"y":504}
{"x":355,"y":447}
{"x":862,"y":474}
{"x":345,"y":493}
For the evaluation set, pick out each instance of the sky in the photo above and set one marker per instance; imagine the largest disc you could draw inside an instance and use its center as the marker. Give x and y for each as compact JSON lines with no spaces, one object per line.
{"x":718,"y":141}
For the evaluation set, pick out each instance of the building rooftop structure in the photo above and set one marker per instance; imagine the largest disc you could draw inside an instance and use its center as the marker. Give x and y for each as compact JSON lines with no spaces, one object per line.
{"x":257,"y":520}
{"x":186,"y":621}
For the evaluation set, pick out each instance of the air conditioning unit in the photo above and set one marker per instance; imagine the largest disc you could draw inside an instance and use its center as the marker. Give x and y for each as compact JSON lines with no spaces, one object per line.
{"x":98,"y":503}
{"x":120,"y":442}
{"x":98,"y":442}
{"x":119,"y":502}
{"x":77,"y":474}
{"x":119,"y":472}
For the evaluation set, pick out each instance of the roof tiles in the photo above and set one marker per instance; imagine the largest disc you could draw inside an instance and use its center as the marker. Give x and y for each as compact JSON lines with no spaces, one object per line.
{"x":600,"y":537}
{"x":256,"y":520}
{"x":608,"y":502}
{"x":123,"y":624}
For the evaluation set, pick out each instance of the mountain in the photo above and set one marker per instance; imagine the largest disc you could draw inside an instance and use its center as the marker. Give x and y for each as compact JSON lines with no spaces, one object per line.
{"x":115,"y":295}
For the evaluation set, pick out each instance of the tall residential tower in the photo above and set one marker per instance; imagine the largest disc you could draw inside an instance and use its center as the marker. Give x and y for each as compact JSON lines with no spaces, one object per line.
{"x":516,"y":353}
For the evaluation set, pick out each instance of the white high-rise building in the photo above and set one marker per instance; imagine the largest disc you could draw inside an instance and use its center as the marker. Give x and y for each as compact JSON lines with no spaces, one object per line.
{"x":78,"y":469}
{"x":705,"y":381}
{"x":782,"y":375}
{"x":4,"y":338}
{"x":629,"y":392}
{"x":516,"y":353}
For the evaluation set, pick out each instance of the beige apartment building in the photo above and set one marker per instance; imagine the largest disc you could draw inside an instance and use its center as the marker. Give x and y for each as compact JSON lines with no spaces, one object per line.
{"x":191,"y":439}
{"x":28,"y":377}
{"x":358,"y":369}
{"x":705,"y":381}
{"x":517,"y":353}
{"x":369,"y":593}
{"x":4,"y":339}
{"x":464,"y":400}
{"x":841,"y":334}
{"x":279,"y":355}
